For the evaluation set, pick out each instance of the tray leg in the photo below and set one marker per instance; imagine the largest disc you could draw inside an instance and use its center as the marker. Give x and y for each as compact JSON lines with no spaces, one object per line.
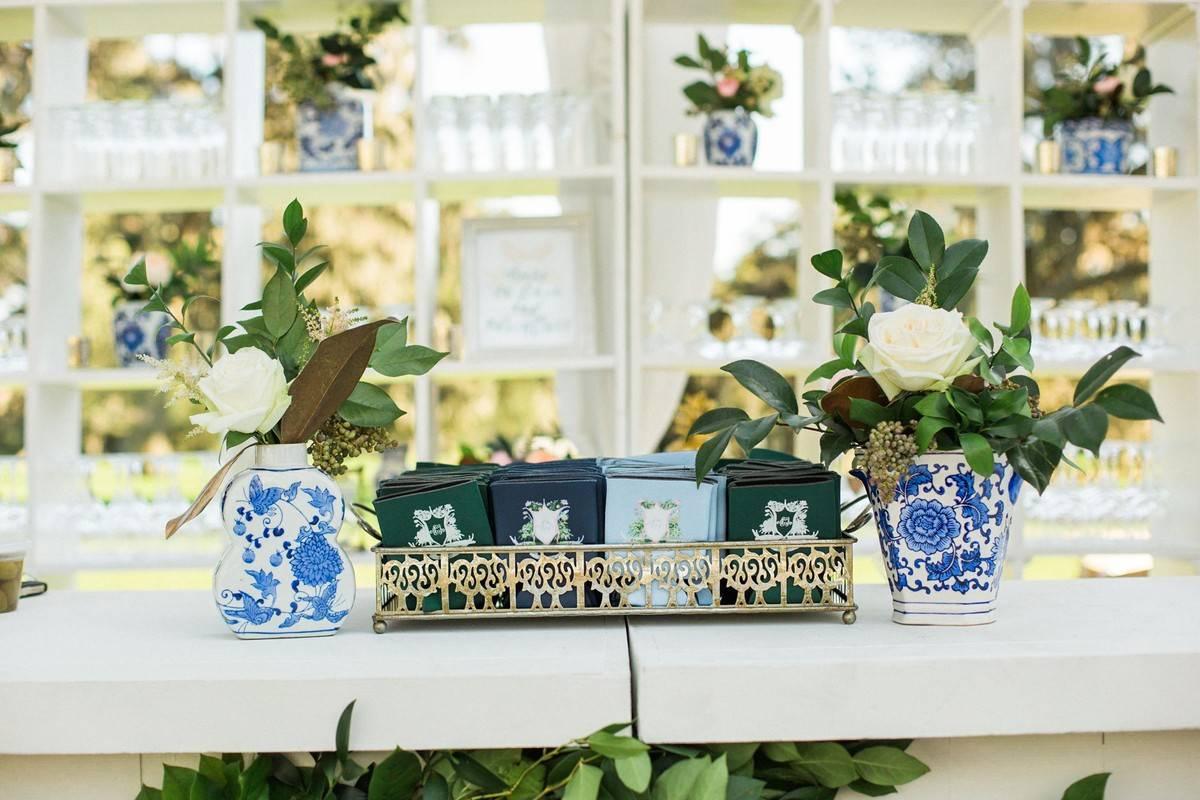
{"x":848,"y":616}
{"x":380,"y":626}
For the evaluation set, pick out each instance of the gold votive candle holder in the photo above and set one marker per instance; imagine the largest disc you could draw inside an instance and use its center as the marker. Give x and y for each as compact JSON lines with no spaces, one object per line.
{"x":1049,"y":157}
{"x":1165,"y":161}
{"x":686,"y":147}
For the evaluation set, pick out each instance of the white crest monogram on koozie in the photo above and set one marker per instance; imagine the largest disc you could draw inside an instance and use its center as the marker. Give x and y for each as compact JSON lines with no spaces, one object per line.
{"x":546,"y":522}
{"x":439,"y":522}
{"x":784,"y":519}
{"x":655,"y":521}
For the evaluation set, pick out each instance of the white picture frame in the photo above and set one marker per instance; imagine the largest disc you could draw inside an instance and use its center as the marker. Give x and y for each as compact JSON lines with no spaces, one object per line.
{"x":527,"y":287}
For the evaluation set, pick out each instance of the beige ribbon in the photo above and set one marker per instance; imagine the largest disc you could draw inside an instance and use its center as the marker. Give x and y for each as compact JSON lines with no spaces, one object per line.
{"x":206,"y":494}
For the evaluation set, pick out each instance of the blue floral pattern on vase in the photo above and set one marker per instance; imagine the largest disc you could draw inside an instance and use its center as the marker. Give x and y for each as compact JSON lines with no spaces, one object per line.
{"x":283,"y":574}
{"x":730,"y":138}
{"x":327,"y":138}
{"x":137,"y":333}
{"x":944,"y":533}
{"x":1095,"y":146}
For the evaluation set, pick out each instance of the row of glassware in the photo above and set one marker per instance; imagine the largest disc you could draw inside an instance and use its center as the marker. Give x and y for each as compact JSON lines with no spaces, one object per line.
{"x":1118,"y":486}
{"x":744,"y":327}
{"x":511,"y":132}
{"x":132,"y":140}
{"x":932,"y":133}
{"x":1081,"y":329}
{"x":13,"y":339}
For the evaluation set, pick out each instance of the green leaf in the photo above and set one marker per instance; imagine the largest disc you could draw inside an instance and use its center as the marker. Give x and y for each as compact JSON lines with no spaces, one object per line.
{"x":710,"y":452}
{"x":845,"y":347}
{"x":585,"y":783}
{"x":179,"y":338}
{"x":828,"y":263}
{"x":1086,"y":427}
{"x":279,"y":304}
{"x":156,"y":303}
{"x":205,"y":789}
{"x":177,"y":782}
{"x":981,"y":333}
{"x":149,"y":793}
{"x":688,"y":61}
{"x":870,"y":789}
{"x":965,"y":404}
{"x":1099,"y":373}
{"x":926,"y":240}
{"x":396,"y":777}
{"x":1126,"y":401}
{"x":436,"y":788}
{"x":717,"y":419}
{"x":342,"y":736}
{"x":737,"y":754}
{"x":868,"y":412}
{"x":782,"y":752}
{"x":951,"y":291}
{"x":294,"y":223}
{"x":934,"y":405}
{"x":967,"y":254}
{"x":1019,"y":350}
{"x":711,"y":783}
{"x":413,"y":359}
{"x":1035,"y":462}
{"x":1021,"y":310}
{"x":369,"y":406}
{"x":834,"y":442}
{"x":474,"y":772}
{"x":213,"y":769}
{"x":252,"y":783}
{"x":278,"y":255}
{"x":927,"y":428}
{"x":829,"y":762}
{"x":1090,"y":788}
{"x":1006,"y":403}
{"x":900,"y":276}
{"x":677,"y":781}
{"x":810,"y":793}
{"x":827,"y":370}
{"x":978,"y":454}
{"x":765,"y":384}
{"x":137,"y":274}
{"x":837,"y":296}
{"x":310,"y":275}
{"x":888,"y":766}
{"x":612,"y":746}
{"x":634,"y":771}
{"x":750,"y":433}
{"x":741,"y":787}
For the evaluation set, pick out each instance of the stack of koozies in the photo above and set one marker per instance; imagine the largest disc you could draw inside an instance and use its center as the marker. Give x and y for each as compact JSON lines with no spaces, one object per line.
{"x":770,"y":500}
{"x":551,"y":503}
{"x":654,"y":499}
{"x":436,"y":505}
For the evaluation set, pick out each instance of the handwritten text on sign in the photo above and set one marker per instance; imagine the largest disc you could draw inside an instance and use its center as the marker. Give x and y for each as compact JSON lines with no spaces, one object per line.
{"x":527,"y":289}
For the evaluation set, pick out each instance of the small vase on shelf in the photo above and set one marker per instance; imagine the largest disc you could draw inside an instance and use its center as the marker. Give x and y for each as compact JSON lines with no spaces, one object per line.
{"x":730,"y":138}
{"x":944,"y":533}
{"x":1095,"y":146}
{"x":327,"y":136}
{"x":283,"y":574}
{"x":139,"y":333}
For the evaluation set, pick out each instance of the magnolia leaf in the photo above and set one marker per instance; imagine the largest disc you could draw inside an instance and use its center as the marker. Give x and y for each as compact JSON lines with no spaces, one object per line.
{"x":1126,"y":401}
{"x":888,"y":766}
{"x":837,"y":401}
{"x":327,"y":379}
{"x":369,"y":406}
{"x":828,"y":263}
{"x":717,"y":419}
{"x":978,"y":453}
{"x":926,"y":240}
{"x":867,"y":412}
{"x":765,"y":383}
{"x":1100,"y":372}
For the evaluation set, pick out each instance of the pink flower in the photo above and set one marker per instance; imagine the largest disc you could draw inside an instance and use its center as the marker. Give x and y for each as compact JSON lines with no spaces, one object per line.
{"x":334,"y":59}
{"x":1107,"y":85}
{"x":727,"y":85}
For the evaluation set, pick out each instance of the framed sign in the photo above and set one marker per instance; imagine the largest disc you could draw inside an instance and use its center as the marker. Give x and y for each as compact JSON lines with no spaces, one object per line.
{"x":527,"y":287}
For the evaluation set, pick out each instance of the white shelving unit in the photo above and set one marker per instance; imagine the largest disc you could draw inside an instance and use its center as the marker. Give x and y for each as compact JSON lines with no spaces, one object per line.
{"x":651,"y":219}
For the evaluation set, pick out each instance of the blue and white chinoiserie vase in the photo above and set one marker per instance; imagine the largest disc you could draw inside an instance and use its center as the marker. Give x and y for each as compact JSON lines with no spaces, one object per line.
{"x":730,"y":138}
{"x":944,"y":534}
{"x":1095,"y":146}
{"x":282,"y":574}
{"x":327,"y":138}
{"x":139,"y":333}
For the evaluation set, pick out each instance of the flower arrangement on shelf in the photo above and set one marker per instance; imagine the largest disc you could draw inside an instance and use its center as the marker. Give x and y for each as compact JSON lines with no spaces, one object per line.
{"x":1091,"y":108}
{"x":284,"y":385}
{"x":942,"y":414}
{"x":8,"y":149}
{"x":6,"y":130}
{"x":734,"y":90}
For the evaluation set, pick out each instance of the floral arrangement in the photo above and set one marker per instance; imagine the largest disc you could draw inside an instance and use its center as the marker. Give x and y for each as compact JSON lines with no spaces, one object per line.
{"x":924,"y":377}
{"x":176,"y":275}
{"x":1093,"y":87}
{"x":289,"y":373}
{"x":732,"y":83}
{"x":312,"y":65}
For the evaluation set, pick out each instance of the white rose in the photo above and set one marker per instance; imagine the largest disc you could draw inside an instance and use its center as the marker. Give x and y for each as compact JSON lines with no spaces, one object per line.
{"x":158,"y":269}
{"x":245,"y":392}
{"x":917,"y":348}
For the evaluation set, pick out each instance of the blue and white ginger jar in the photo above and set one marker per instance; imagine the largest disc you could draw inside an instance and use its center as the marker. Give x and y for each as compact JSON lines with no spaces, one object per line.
{"x":139,"y":333}
{"x":327,"y":138}
{"x":944,"y":533}
{"x":1095,"y":146}
{"x":282,"y":574}
{"x":730,"y":138}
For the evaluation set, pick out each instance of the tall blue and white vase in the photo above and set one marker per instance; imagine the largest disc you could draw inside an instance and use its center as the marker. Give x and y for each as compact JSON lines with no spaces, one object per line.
{"x":944,"y":533}
{"x":283,"y":574}
{"x":730,"y":138}
{"x":327,"y":138}
{"x":137,"y":332}
{"x":1095,"y":146}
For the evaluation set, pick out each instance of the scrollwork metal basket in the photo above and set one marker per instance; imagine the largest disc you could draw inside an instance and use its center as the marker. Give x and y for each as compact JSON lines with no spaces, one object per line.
{"x":586,"y":580}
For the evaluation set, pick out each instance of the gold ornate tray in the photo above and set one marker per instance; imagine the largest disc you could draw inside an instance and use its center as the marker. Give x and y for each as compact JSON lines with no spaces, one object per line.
{"x":586,"y":580}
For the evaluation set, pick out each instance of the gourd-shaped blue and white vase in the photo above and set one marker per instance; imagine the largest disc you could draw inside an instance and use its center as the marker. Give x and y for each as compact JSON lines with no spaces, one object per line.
{"x":730,"y":138}
{"x":1095,"y":146}
{"x":944,"y":533}
{"x":283,"y":574}
{"x":139,"y":333}
{"x":327,"y":137}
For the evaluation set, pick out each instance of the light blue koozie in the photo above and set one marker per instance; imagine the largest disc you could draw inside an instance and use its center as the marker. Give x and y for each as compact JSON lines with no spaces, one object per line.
{"x":660,"y":505}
